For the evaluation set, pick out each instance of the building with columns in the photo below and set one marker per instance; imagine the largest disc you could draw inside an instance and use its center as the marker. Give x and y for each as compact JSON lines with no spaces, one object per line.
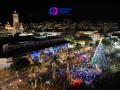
{"x":17,"y":26}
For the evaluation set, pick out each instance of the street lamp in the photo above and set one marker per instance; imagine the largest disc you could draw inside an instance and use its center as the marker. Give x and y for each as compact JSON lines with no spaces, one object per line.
{"x":35,"y":80}
{"x":20,"y":80}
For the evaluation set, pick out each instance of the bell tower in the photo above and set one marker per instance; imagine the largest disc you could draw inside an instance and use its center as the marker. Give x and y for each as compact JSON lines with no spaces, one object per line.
{"x":15,"y":22}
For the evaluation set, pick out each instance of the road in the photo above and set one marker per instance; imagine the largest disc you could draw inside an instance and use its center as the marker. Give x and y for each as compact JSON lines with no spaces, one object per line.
{"x":16,"y":78}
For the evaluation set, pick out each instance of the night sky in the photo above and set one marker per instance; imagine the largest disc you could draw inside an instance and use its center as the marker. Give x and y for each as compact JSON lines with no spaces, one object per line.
{"x":81,"y":10}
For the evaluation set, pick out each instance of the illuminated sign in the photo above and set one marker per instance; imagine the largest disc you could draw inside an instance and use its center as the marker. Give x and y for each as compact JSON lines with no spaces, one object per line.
{"x":53,"y":11}
{"x":60,"y":11}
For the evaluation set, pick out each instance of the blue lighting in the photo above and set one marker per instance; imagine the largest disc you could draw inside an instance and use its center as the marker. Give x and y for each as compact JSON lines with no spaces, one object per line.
{"x":49,"y":51}
{"x":63,"y":46}
{"x":35,"y":55}
{"x":55,"y":48}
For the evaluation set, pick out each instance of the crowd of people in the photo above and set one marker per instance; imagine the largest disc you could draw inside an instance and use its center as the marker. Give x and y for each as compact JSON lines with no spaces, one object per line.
{"x":81,"y":70}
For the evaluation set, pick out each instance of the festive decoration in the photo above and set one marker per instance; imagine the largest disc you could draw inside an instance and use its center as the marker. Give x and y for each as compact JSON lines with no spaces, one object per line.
{"x":99,"y":60}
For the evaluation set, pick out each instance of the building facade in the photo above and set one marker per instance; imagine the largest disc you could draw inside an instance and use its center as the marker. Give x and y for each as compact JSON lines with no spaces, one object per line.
{"x":17,"y":26}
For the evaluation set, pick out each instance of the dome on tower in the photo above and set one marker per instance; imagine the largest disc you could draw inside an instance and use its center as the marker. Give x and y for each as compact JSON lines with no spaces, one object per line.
{"x":21,"y":26}
{"x":8,"y":26}
{"x":14,"y":12}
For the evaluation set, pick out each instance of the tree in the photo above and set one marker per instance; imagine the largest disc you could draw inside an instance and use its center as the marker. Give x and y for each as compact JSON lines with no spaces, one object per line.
{"x":109,"y":44}
{"x":113,"y":39}
{"x":54,"y":60}
{"x":35,"y":64}
{"x":53,"y":70}
{"x":99,"y":59}
{"x":86,"y":38}
{"x":91,"y":44}
{"x":68,"y":60}
{"x":69,"y":35}
{"x":78,"y":46}
{"x":97,"y":42}
{"x":106,"y":42}
{"x":20,"y":63}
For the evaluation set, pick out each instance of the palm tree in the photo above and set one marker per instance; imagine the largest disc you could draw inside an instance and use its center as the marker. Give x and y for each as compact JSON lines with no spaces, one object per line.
{"x":68,"y":61}
{"x":52,"y":63}
{"x":35,"y":64}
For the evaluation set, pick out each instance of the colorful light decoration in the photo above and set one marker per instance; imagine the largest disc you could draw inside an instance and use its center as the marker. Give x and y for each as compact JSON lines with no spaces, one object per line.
{"x":83,"y":56}
{"x":55,"y":48}
{"x":35,"y":55}
{"x":63,"y":46}
{"x":99,"y":58}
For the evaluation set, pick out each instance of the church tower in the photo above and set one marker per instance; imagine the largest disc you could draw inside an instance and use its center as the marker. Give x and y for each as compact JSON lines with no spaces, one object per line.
{"x":17,"y":27}
{"x":15,"y":22}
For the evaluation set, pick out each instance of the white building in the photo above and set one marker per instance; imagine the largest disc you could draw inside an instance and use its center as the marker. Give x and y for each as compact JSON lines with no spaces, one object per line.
{"x":5,"y":63}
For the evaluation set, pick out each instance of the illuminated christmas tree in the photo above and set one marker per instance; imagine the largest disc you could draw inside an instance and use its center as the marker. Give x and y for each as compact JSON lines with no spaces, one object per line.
{"x":99,"y":60}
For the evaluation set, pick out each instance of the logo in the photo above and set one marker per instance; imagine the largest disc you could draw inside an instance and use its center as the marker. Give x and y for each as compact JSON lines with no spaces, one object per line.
{"x":53,"y":11}
{"x":60,"y":11}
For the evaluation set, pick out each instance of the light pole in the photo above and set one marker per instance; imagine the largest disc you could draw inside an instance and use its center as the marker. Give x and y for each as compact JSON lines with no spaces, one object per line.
{"x":40,"y":82}
{"x":35,"y":85}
